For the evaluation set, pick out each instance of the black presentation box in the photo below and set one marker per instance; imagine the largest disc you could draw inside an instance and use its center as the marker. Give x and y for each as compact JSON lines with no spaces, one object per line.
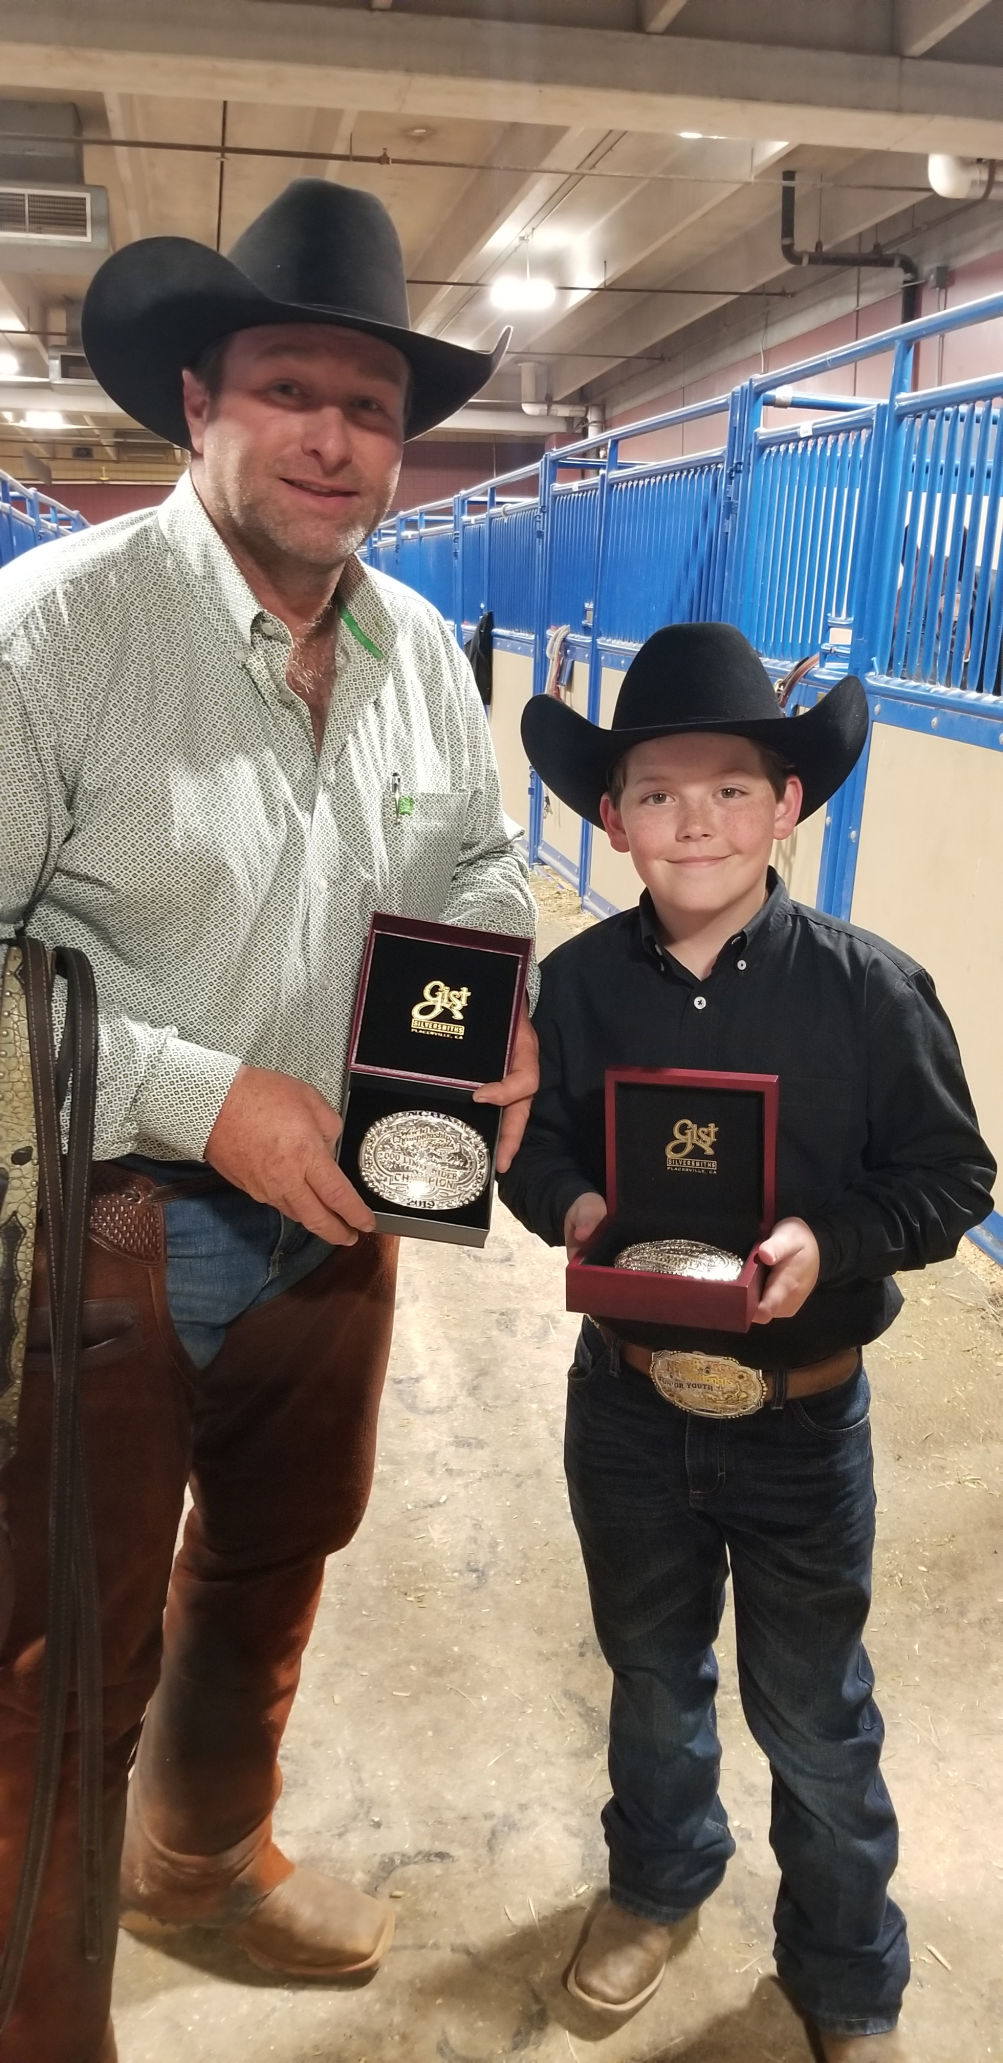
{"x":435,"y":1017}
{"x":690,"y":1154}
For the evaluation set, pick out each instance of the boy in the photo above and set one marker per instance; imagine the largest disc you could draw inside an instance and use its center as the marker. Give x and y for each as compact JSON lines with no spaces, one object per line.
{"x":880,"y":1167}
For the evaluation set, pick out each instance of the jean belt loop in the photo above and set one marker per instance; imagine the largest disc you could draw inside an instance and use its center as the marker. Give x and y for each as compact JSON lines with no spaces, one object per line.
{"x":779,"y":1397}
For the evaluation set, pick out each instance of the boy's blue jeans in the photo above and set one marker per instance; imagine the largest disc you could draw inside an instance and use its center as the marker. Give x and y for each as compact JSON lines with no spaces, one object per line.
{"x":664,"y":1504}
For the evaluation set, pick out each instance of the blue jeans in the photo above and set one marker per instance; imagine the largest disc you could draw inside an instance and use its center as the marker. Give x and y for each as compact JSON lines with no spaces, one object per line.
{"x":225,"y":1253}
{"x":664,"y":1504}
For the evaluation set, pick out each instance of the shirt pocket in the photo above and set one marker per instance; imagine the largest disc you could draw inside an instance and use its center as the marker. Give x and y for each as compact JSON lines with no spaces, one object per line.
{"x":423,"y":835}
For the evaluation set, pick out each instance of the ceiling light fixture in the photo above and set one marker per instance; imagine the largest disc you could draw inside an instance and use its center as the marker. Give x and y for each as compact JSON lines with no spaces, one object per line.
{"x":515,"y":295}
{"x":43,"y":419}
{"x":10,"y":365}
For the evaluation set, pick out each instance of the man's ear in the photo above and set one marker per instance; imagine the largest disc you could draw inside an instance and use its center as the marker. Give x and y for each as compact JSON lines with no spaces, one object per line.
{"x":613,"y":824}
{"x":788,"y":808}
{"x":197,"y":403}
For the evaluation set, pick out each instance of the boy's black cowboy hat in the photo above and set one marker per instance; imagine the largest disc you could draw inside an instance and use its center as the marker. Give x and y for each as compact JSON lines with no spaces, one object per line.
{"x":696,"y":677}
{"x":319,"y":253}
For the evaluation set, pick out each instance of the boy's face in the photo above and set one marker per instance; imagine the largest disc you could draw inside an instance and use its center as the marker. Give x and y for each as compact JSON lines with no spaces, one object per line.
{"x":699,"y":816}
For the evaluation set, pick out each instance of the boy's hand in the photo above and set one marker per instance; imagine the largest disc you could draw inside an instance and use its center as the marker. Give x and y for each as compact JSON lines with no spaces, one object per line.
{"x":581,"y":1220}
{"x":792,"y":1257}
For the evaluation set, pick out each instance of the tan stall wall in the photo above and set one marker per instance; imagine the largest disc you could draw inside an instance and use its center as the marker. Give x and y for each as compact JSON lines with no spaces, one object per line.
{"x":798,"y":858}
{"x":511,"y":688}
{"x":562,"y":828}
{"x":928,"y":873}
{"x":611,"y":873}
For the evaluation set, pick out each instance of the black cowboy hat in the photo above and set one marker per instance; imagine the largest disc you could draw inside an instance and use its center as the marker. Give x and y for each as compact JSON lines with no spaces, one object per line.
{"x":319,"y":253}
{"x":696,"y":677}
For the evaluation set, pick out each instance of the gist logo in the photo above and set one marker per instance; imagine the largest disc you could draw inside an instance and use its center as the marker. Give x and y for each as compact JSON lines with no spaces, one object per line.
{"x":687,"y":1144}
{"x":440,"y":1002}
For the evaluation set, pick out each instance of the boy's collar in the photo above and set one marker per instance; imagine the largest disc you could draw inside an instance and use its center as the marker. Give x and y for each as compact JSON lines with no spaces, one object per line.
{"x":770,"y":914}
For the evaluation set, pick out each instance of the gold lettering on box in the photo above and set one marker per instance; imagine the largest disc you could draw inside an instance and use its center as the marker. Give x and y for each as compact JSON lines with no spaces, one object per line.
{"x":438,"y":1001}
{"x":688,"y":1141}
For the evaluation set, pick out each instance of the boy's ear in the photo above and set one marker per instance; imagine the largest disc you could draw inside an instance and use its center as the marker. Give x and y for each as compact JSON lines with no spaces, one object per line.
{"x":788,"y":808}
{"x":613,"y":825}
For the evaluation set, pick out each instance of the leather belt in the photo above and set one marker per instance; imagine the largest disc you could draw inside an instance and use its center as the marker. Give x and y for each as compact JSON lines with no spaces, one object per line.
{"x":717,"y":1386}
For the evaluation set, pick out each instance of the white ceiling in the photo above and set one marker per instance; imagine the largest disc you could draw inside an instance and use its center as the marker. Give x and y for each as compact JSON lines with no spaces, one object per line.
{"x":531,"y":133}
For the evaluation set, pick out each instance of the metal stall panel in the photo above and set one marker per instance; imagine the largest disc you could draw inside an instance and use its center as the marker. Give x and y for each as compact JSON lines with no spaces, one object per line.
{"x":662,"y":562}
{"x":473,"y":569}
{"x":574,"y":515}
{"x":939,"y":611}
{"x":435,"y":569}
{"x":803,"y":537}
{"x":512,"y":549}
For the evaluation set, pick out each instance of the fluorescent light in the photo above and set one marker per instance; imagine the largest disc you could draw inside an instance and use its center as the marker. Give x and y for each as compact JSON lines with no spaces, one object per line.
{"x":513,"y":293}
{"x":10,"y":365}
{"x":43,"y":419}
{"x":691,"y":135}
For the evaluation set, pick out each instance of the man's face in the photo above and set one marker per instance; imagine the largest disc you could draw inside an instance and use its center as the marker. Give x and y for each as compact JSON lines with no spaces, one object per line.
{"x":699,"y":816}
{"x":298,"y":454}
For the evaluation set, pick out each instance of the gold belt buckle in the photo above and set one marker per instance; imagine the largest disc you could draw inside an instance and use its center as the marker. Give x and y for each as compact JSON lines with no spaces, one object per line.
{"x":709,"y":1385}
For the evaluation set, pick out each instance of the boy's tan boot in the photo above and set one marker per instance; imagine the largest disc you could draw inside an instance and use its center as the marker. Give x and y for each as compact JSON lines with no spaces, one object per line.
{"x":622,"y":1958}
{"x":862,"y":2048}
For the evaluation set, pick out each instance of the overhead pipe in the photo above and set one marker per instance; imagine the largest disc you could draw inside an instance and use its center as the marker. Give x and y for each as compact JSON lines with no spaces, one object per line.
{"x":532,"y":404}
{"x":961,"y":179}
{"x":876,"y":257}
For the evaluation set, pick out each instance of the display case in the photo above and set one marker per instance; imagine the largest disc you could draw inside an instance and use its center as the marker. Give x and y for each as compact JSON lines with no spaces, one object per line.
{"x":690,"y":1155}
{"x":435,"y":1017}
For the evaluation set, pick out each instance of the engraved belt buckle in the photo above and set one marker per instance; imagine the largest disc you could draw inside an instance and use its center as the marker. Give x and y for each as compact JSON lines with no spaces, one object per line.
{"x":709,"y":1385}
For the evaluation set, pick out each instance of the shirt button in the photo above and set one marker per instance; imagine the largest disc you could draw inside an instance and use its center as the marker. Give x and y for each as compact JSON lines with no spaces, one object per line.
{"x":741,"y":965}
{"x":699,"y":1002}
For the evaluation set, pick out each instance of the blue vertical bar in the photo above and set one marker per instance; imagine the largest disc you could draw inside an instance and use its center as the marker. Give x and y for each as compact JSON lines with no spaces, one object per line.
{"x":541,"y":606}
{"x":610,"y":464}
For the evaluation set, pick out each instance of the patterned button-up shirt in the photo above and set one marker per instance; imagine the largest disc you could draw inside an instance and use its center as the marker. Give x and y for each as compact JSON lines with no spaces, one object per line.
{"x":163,"y":806}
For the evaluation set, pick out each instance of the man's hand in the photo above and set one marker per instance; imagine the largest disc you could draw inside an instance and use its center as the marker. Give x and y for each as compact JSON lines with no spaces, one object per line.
{"x":581,"y":1220}
{"x":792,"y":1257}
{"x":274,"y":1138}
{"x":515,"y":1092}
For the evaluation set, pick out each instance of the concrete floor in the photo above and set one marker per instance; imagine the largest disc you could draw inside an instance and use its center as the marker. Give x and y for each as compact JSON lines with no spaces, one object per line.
{"x":448,"y":1744}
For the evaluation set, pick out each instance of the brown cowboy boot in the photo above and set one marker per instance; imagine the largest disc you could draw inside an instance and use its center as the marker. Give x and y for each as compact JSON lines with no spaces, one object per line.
{"x":283,"y":1442}
{"x":861,"y":2048}
{"x":293,"y":1921}
{"x":622,"y":1958}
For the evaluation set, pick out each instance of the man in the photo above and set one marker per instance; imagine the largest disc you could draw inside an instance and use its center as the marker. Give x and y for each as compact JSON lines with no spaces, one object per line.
{"x":208,"y":716}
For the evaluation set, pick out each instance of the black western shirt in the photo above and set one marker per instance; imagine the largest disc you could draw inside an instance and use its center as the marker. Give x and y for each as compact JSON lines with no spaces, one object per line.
{"x":878,"y":1148}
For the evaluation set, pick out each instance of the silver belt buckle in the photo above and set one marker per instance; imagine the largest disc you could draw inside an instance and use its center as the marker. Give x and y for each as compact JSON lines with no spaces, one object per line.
{"x":709,"y":1385}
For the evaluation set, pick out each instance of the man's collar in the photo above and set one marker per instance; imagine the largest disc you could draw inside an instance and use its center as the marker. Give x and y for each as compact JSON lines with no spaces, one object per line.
{"x":195,"y":540}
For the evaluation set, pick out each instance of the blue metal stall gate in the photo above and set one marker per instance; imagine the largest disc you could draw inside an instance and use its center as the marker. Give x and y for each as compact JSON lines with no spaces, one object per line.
{"x":28,"y":517}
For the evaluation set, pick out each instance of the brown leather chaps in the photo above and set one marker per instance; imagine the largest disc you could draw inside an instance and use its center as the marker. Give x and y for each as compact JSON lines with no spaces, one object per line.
{"x":276,"y":1440}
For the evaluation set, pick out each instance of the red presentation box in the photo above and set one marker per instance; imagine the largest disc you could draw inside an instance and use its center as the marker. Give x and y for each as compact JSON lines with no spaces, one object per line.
{"x":435,"y":1016}
{"x":690,"y":1154}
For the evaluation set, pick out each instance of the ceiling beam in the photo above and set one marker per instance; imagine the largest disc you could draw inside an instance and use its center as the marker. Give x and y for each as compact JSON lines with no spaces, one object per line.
{"x":298,"y":55}
{"x":921,"y":24}
{"x":746,"y":259}
{"x":657,"y":14}
{"x":490,"y":201}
